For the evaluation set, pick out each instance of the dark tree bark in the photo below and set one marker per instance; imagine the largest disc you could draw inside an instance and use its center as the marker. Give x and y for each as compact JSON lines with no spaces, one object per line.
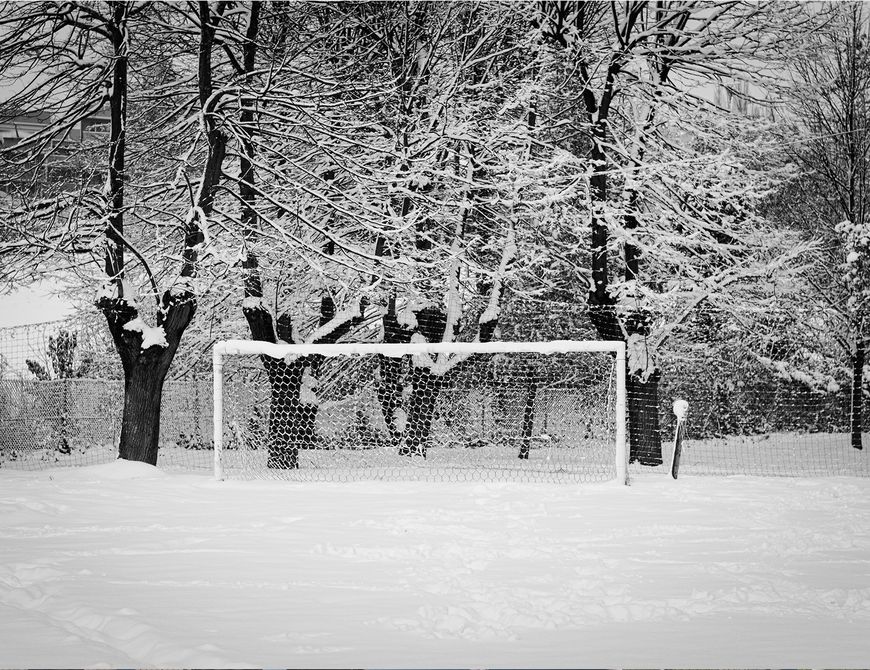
{"x":247,"y":174}
{"x":390,"y":385}
{"x":289,"y":431}
{"x":834,"y":120}
{"x":528,"y":425}
{"x":411,"y":66}
{"x":643,"y":412}
{"x":117,"y":147}
{"x":291,"y":421}
{"x":286,"y":427}
{"x":644,"y":428}
{"x":145,"y":371}
{"x":425,"y":388}
{"x":857,"y":398}
{"x":599,"y":294}
{"x":140,"y":428}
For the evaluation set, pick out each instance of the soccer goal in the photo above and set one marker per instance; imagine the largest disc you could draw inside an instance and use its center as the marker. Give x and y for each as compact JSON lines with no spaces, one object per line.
{"x":549,"y":411}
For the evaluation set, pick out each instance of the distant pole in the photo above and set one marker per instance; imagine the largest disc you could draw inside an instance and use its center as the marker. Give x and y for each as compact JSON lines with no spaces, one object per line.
{"x":681,"y":407}
{"x":621,"y":407}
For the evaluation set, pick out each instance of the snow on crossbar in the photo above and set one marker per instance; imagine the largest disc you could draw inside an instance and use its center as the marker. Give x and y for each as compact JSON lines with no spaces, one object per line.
{"x":253,"y":347}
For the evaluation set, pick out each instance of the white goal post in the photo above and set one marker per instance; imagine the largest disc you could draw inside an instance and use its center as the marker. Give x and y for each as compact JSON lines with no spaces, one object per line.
{"x":244,"y":411}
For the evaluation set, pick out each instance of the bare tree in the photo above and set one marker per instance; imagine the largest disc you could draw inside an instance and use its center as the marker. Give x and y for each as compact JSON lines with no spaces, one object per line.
{"x":293,"y":210}
{"x":661,"y":185}
{"x":452,"y":198}
{"x":378,"y":187}
{"x":86,"y":55}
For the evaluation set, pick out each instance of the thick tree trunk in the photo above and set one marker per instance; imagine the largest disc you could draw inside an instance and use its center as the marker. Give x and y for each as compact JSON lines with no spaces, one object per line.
{"x":291,"y":429}
{"x":857,"y":400}
{"x":389,"y":392}
{"x":643,"y":395}
{"x":145,"y":370}
{"x":140,"y":426}
{"x":644,"y":428}
{"x":283,"y":441}
{"x":421,"y":410}
{"x":425,"y":387}
{"x":291,"y":421}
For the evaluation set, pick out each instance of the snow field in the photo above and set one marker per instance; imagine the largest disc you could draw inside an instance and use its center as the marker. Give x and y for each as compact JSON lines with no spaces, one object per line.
{"x":124,"y":565}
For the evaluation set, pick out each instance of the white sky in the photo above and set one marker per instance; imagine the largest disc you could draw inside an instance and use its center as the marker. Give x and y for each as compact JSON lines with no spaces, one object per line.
{"x":32,"y":305}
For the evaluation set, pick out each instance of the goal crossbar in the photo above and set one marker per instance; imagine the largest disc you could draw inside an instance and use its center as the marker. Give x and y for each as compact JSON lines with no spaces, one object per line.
{"x":253,"y":347}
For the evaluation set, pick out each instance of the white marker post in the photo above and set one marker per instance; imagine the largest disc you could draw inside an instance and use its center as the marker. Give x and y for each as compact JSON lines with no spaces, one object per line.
{"x":681,"y":408}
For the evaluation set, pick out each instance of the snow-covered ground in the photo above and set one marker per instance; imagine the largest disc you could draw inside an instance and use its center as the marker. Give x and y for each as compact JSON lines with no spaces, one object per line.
{"x":124,"y":565}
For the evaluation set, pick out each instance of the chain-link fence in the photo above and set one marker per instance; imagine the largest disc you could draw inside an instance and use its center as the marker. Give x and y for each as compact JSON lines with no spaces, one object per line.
{"x":78,"y":422}
{"x":770,"y":393}
{"x":62,"y":395}
{"x":752,"y":415}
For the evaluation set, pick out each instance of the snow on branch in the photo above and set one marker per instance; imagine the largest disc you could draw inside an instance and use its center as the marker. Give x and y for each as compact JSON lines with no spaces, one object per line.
{"x":341,"y":318}
{"x":856,"y":268}
{"x":817,"y":381}
{"x":493,"y":306}
{"x":117,"y":290}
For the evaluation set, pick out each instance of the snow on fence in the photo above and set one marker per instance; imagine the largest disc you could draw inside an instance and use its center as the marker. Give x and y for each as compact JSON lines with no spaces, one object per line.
{"x":751,"y":411}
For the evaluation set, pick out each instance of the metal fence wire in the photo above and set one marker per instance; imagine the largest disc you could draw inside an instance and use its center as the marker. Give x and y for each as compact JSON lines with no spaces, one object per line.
{"x":778,"y":405}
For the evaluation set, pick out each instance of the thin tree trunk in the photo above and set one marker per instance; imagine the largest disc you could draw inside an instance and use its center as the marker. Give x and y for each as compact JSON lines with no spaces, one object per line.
{"x":390,"y":386}
{"x":599,"y":296}
{"x":64,"y":444}
{"x":389,"y":392}
{"x":528,"y":419}
{"x":857,"y":403}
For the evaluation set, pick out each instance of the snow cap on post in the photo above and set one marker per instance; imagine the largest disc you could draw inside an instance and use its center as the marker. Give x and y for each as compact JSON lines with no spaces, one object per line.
{"x":681,"y":407}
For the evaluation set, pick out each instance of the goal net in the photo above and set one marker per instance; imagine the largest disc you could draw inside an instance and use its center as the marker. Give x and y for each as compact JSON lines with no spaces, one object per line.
{"x":446,"y":411}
